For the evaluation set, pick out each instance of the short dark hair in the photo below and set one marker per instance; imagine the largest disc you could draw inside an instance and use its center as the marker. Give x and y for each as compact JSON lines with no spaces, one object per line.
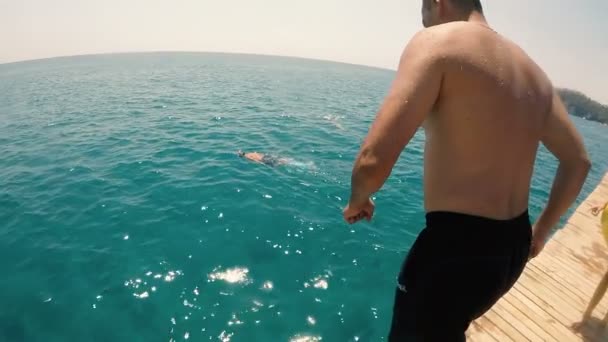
{"x":470,"y":4}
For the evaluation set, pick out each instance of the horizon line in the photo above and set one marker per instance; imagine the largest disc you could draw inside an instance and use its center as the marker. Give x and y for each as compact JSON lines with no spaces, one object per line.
{"x":198,"y":51}
{"x":33,"y":60}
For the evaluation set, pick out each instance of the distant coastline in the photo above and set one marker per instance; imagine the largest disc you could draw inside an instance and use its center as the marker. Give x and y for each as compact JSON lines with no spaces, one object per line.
{"x":579,"y":104}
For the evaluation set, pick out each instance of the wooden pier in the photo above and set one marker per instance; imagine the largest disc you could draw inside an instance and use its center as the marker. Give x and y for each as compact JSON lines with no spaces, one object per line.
{"x":554,"y":290}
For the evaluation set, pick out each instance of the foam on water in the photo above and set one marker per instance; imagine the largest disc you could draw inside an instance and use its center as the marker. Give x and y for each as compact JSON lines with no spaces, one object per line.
{"x":304,"y":165}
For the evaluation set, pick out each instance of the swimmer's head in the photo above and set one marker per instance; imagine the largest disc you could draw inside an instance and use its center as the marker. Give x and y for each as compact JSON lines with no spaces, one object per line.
{"x":240,"y":153}
{"x":437,"y":12}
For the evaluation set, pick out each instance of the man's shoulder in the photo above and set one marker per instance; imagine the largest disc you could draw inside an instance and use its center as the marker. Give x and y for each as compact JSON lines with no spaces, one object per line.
{"x":428,"y":41}
{"x":440,"y":43}
{"x":445,"y":37}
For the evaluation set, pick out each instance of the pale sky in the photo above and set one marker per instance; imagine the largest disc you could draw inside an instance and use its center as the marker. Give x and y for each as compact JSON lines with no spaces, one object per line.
{"x":568,"y":38}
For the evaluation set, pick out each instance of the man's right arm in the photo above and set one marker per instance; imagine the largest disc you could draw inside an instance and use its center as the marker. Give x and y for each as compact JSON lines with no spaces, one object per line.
{"x":562,"y":139}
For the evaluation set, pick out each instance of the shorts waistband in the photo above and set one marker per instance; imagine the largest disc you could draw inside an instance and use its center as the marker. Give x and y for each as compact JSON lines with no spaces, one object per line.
{"x":437,"y":219}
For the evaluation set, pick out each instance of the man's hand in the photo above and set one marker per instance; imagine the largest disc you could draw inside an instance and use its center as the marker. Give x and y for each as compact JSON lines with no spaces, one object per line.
{"x":539,"y":239}
{"x":355,"y":212}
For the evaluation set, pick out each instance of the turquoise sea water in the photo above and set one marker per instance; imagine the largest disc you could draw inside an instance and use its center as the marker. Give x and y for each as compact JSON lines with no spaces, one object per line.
{"x":125,"y":214}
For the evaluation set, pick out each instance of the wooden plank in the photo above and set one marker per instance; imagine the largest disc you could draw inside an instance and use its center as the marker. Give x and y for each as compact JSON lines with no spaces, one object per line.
{"x":578,"y":239}
{"x":565,"y":286}
{"x":569,"y":287}
{"x":525,"y":316}
{"x":537,"y":276}
{"x":591,"y":260}
{"x":565,"y":277}
{"x":555,"y":288}
{"x":484,"y":330}
{"x":548,"y":291}
{"x":512,"y":326}
{"x":553,"y":304}
{"x":562,"y":313}
{"x":590,"y":244}
{"x":536,"y":313}
{"x":575,"y":279}
{"x":568,"y":246}
{"x":559,"y":269}
{"x":557,"y":266}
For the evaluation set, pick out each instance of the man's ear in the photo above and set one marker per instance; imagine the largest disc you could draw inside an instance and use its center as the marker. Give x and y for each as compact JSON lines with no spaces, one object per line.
{"x":441,"y":8}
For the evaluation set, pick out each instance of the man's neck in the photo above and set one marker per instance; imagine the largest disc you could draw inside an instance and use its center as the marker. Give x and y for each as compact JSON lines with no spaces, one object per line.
{"x":472,"y":17}
{"x":477,"y":18}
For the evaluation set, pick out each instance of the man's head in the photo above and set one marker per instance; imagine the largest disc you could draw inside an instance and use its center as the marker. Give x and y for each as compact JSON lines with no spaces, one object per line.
{"x":436,"y":12}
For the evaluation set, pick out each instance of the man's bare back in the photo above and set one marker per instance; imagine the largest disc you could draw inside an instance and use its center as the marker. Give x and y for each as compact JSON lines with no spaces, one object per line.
{"x":484,"y":130}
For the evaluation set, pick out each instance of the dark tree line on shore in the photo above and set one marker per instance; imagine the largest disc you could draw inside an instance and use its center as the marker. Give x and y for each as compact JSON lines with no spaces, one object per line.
{"x":581,"y":105}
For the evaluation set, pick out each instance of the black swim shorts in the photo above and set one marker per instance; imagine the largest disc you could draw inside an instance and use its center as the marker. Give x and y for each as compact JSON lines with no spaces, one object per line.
{"x":458,"y":268}
{"x":270,"y":160}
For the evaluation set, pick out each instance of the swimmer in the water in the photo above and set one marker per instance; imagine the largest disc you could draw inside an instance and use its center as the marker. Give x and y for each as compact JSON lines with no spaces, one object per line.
{"x":263,"y":158}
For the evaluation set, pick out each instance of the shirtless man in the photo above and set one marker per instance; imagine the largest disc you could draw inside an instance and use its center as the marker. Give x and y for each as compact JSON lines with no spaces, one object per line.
{"x":263,"y":158}
{"x":485,"y":107}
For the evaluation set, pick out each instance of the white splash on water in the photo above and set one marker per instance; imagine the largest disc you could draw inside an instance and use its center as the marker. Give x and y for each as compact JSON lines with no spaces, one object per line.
{"x":142,"y":295}
{"x":305,"y":339}
{"x":234,"y":275}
